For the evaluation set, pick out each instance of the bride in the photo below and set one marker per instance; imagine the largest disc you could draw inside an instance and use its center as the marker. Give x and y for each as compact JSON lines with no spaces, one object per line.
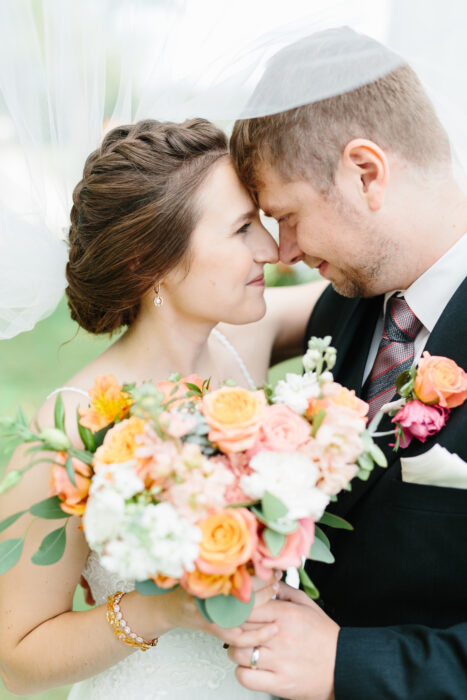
{"x":165,"y":242}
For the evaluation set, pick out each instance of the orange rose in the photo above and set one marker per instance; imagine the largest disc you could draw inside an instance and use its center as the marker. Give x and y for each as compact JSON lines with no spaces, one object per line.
{"x":119,"y":443}
{"x":234,"y":416}
{"x":73,"y":498}
{"x":165,"y":581}
{"x":204,"y":585}
{"x":337,"y":394}
{"x":228,"y":540}
{"x":440,"y":380}
{"x":166,"y":387}
{"x":108,"y":402}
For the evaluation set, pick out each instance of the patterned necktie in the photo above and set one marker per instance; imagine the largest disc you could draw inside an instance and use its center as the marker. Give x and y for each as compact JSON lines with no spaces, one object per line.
{"x":395,"y":353}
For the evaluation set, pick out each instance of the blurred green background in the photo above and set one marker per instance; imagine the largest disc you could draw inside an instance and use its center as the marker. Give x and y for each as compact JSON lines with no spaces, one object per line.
{"x":36,"y":362}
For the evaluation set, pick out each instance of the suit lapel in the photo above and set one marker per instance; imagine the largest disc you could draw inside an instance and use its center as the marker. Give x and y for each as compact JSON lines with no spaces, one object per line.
{"x":448,"y":339}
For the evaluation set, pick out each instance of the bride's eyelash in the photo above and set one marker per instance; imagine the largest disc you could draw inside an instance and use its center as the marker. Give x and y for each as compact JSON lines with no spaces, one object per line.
{"x":244,"y":228}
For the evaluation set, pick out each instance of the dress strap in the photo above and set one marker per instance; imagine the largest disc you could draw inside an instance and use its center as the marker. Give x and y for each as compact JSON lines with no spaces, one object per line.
{"x":220,"y":336}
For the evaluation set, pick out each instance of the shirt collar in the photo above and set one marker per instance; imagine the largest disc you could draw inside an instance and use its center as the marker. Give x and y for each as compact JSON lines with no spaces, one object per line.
{"x":429,"y":295}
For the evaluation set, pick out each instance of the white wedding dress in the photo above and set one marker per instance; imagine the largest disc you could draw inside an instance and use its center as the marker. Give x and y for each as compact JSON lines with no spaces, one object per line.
{"x":185,"y":665}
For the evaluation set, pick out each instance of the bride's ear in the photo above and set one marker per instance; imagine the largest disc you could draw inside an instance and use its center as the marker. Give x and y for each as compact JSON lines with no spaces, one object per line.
{"x":364,"y":170}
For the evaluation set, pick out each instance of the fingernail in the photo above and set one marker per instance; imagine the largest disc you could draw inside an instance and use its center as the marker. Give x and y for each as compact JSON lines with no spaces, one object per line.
{"x":273,"y":631}
{"x":278,"y":574}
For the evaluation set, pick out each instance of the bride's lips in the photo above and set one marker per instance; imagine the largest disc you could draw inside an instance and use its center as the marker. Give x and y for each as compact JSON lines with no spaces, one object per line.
{"x":257,"y":282}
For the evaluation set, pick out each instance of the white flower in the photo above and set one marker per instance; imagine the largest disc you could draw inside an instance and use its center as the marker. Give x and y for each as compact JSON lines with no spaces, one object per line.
{"x":291,"y":477}
{"x":119,"y":478}
{"x":296,"y":390}
{"x":311,"y":359}
{"x":152,"y":539}
{"x":103,"y":517}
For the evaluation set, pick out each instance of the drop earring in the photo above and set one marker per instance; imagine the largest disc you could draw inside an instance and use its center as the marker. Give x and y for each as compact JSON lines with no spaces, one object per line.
{"x":158,"y":301}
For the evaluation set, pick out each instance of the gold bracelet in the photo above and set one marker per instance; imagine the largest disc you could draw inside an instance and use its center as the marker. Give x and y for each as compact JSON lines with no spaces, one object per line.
{"x":120,"y":627}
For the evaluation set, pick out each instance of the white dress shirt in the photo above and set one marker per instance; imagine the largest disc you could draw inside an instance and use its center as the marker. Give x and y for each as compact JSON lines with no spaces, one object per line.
{"x":428,"y":296}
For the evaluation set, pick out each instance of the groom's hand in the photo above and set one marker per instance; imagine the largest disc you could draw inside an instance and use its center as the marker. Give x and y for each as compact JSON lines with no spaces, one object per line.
{"x":298,"y":661}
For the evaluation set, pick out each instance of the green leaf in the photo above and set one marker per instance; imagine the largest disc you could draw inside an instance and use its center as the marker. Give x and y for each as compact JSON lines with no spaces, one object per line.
{"x":51,"y":549}
{"x":83,"y":455}
{"x":335,"y":521}
{"x":100,"y":435}
{"x":363,"y":475}
{"x":317,"y":420}
{"x":12,"y":519}
{"x":275,"y":541}
{"x":148,"y":587}
{"x":365,"y":462}
{"x":202,"y":608}
{"x":272,"y":507}
{"x":10,"y":480}
{"x":70,"y":470}
{"x":319,"y":552}
{"x":59,"y":414}
{"x":283,"y":526}
{"x":321,"y":536}
{"x":308,"y":585}
{"x":10,"y":552}
{"x":87,"y":436}
{"x":378,"y":456}
{"x":21,"y":417}
{"x":49,"y":509}
{"x":195,"y":389}
{"x":175,"y":377}
{"x":228,"y":611}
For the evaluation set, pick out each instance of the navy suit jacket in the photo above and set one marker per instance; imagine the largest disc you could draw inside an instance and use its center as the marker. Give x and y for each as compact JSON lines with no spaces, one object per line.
{"x":398,"y":587}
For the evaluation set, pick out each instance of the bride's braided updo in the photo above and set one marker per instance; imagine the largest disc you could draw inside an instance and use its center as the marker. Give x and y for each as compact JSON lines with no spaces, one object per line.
{"x":132,"y":216}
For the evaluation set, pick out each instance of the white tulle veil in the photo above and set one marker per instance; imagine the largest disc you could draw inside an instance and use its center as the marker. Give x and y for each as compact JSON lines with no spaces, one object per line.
{"x":71,"y":69}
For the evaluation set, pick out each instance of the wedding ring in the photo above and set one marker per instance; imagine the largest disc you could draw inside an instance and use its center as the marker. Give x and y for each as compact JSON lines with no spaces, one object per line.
{"x":254,"y":657}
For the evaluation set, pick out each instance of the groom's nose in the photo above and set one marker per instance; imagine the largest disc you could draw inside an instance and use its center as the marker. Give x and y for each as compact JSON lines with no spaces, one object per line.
{"x":289,"y":251}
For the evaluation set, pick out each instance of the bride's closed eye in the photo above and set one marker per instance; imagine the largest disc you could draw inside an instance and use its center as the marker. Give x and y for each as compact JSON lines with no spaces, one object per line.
{"x":244,"y":228}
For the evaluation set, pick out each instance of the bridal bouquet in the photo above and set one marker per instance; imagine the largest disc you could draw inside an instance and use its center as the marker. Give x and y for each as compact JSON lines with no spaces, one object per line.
{"x":181,"y":485}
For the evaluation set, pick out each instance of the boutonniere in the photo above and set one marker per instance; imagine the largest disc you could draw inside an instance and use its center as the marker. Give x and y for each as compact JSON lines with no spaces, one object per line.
{"x":429,"y":391}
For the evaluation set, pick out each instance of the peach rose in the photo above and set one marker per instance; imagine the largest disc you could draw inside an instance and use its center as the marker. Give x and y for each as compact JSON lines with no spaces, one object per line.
{"x":440,"y":380}
{"x":108,"y":402}
{"x":73,"y":498}
{"x":281,"y":430}
{"x":297,"y":545}
{"x":334,"y":393}
{"x":234,"y":415}
{"x":228,"y":540}
{"x":119,"y":443}
{"x":203,"y":585}
{"x":165,"y":581}
{"x":177,"y":397}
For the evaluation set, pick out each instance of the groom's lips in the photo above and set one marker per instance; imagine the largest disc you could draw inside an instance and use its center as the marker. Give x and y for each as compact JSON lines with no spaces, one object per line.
{"x":322,"y":267}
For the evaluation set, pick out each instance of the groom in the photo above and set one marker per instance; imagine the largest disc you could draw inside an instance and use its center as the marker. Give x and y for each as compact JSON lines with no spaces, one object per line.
{"x":362,"y":187}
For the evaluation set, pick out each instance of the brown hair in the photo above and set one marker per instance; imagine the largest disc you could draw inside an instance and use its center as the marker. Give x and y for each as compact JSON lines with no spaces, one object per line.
{"x":132,"y":216}
{"x":307,"y":142}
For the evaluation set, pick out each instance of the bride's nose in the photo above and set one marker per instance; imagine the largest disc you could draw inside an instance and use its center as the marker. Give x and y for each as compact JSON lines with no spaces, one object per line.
{"x":266,"y":249}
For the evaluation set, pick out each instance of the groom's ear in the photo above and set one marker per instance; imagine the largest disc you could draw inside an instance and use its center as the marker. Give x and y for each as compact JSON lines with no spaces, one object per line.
{"x":363,"y":171}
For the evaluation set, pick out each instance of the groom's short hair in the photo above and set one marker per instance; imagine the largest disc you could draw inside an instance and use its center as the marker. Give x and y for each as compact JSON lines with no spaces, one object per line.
{"x":306,"y":142}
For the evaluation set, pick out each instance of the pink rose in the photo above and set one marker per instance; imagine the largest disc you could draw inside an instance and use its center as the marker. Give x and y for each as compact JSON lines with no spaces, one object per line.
{"x":420,"y":420}
{"x":297,"y":545}
{"x":281,"y":430}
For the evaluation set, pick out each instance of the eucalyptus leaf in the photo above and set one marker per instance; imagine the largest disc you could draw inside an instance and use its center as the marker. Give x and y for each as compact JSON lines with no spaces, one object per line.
{"x":365,"y":462}
{"x":378,"y":456}
{"x":272,"y":507}
{"x":319,"y":552}
{"x":51,"y":548}
{"x":49,"y":509}
{"x":70,"y":470}
{"x":275,"y":541}
{"x":228,"y":611}
{"x":363,"y":475}
{"x":59,"y":414}
{"x":283,"y":526}
{"x":201,"y":604}
{"x":335,"y":521}
{"x":308,"y":585}
{"x":10,"y":553}
{"x":149,"y":587}
{"x":4,"y":524}
{"x":321,"y":536}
